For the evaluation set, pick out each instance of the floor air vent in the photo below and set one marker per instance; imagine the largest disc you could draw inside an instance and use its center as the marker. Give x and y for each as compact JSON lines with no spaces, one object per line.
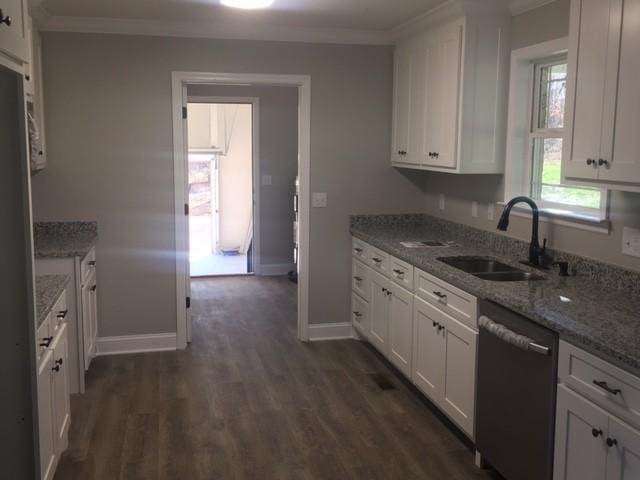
{"x":382,"y":381}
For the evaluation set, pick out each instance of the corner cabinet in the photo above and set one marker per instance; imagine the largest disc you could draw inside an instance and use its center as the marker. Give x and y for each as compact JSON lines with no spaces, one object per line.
{"x":448,"y":110}
{"x":602,"y":147}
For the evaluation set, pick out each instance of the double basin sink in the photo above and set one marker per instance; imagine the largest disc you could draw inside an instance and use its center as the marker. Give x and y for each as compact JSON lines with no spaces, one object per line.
{"x":490,"y":269}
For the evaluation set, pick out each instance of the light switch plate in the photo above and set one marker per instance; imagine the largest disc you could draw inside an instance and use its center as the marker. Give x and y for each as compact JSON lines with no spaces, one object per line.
{"x":631,"y":241}
{"x":319,"y":200}
{"x":441,"y":202}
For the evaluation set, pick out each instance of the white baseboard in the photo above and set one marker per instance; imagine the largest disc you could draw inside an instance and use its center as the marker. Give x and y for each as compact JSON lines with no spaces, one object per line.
{"x":276,"y":269}
{"x":330,"y":331}
{"x":155,"y":342}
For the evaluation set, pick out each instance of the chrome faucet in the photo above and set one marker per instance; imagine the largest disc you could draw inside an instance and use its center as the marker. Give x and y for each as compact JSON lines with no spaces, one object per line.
{"x":535,"y":251}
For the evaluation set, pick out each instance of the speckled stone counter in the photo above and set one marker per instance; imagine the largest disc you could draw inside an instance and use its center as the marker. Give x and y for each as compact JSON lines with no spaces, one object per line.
{"x":64,"y":239}
{"x":597,"y":308}
{"x":48,"y":290}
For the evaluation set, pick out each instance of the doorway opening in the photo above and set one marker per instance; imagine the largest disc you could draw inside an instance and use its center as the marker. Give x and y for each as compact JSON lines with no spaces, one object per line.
{"x":221,"y":203}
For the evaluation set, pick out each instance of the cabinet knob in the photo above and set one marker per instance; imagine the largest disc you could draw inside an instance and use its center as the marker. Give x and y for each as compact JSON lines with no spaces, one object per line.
{"x":435,"y":324}
{"x":62,"y":314}
{"x":46,"y":341}
{"x":591,"y":161}
{"x":596,"y":432}
{"x":92,"y":263}
{"x":440,"y":327}
{"x":56,"y":368}
{"x":6,"y":20}
{"x":59,"y":361}
{"x":602,"y":161}
{"x":93,"y":288}
{"x":611,"y":442}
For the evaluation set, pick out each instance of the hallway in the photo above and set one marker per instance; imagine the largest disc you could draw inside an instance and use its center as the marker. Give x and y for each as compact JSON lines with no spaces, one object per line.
{"x":248,"y":401}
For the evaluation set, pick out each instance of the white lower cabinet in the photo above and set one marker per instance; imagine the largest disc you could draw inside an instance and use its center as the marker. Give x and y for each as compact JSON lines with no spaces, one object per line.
{"x":444,"y":365}
{"x":54,"y":413}
{"x":419,"y":336}
{"x":591,"y":442}
{"x":89,"y":317}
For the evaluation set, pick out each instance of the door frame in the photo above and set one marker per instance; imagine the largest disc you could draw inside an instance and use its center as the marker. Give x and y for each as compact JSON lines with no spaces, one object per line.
{"x":255,"y":162}
{"x":179,"y":82}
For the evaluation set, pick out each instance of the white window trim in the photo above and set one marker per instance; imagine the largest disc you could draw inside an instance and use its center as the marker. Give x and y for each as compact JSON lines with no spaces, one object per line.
{"x":518,"y":152}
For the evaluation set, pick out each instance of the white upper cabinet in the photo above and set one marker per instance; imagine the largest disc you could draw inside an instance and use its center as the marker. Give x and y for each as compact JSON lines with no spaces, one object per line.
{"x":14,"y":30}
{"x":448,"y":85}
{"x":603,"y":108}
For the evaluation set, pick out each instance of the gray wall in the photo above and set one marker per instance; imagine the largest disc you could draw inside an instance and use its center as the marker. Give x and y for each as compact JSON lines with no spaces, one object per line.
{"x":108,"y":115}
{"x":539,"y":25}
{"x":278,"y":150}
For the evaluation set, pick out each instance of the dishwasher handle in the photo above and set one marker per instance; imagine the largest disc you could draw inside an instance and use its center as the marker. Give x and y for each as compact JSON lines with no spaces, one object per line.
{"x":521,"y":341}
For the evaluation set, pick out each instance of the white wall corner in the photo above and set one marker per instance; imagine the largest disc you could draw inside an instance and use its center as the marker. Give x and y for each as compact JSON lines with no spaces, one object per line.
{"x":330,"y":331}
{"x":156,"y":342}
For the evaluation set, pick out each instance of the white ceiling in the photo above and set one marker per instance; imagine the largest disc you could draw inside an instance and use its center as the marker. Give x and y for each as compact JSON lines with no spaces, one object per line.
{"x":335,"y":14}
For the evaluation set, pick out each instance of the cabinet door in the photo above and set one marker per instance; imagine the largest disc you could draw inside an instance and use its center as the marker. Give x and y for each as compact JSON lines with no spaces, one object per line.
{"x":88,"y":318}
{"x":360,"y":315}
{"x":46,"y":428}
{"x":428,"y":349}
{"x":61,"y":390}
{"x":581,"y":430}
{"x":624,"y":161}
{"x":459,"y":387}
{"x":379,"y":313}
{"x":623,"y":460}
{"x":446,"y":90}
{"x":14,"y":38}
{"x":432,"y":104}
{"x":402,"y":106}
{"x":593,"y":65}
{"x":401,"y":328}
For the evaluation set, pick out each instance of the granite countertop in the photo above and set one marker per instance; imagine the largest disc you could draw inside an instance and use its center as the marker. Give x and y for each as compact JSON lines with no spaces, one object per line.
{"x":64,"y":239}
{"x":48,"y":291}
{"x":585,"y":312}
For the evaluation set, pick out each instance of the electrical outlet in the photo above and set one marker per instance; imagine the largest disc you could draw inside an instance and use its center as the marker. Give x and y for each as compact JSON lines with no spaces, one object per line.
{"x":474,"y":209}
{"x":491,"y":211}
{"x":631,"y":241}
{"x":441,"y":202}
{"x":319,"y":200}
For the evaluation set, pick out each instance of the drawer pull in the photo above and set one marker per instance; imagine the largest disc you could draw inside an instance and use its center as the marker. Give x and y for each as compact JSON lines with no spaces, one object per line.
{"x":611,"y":442}
{"x":399,"y":273}
{"x":596,"y":432}
{"x":440,"y":295}
{"x":91,"y":263}
{"x":56,"y":368}
{"x":62,"y":314}
{"x":440,"y":327}
{"x":376,"y":260}
{"x":357,"y":250}
{"x":46,"y":341}
{"x":357,"y":279}
{"x":603,"y":385}
{"x":357,"y":314}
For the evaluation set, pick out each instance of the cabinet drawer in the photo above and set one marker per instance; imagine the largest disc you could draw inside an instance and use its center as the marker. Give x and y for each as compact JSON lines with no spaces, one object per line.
{"x":360,"y":281}
{"x":59,"y":313}
{"x":401,"y":272}
{"x":616,"y":390}
{"x":359,"y":249}
{"x":449,"y":299}
{"x":88,"y":264}
{"x":379,"y":261}
{"x":44,"y":337}
{"x":360,"y":314}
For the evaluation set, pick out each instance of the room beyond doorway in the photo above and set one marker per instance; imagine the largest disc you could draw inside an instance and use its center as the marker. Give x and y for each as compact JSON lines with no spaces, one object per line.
{"x":221,"y":204}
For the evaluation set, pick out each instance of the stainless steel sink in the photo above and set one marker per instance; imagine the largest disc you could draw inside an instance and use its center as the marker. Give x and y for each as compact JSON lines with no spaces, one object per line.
{"x":478,"y":264}
{"x":516,"y":276}
{"x":491,"y":269}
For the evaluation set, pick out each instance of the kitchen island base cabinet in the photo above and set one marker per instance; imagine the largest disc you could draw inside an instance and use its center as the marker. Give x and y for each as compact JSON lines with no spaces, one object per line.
{"x":445,"y":363}
{"x":591,"y":444}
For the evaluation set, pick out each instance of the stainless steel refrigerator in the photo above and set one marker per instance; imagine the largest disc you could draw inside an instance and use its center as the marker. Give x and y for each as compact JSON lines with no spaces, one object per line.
{"x":17,"y":349}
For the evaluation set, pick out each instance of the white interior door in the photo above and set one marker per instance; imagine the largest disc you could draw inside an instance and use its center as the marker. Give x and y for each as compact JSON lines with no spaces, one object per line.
{"x":185,"y":163}
{"x":215,"y":204}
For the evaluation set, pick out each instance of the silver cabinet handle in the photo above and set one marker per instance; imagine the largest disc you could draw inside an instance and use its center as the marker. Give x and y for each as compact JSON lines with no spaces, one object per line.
{"x":357,"y":250}
{"x":376,"y":260}
{"x":506,"y":335}
{"x":357,"y":314}
{"x":399,"y":273}
{"x":357,"y":279}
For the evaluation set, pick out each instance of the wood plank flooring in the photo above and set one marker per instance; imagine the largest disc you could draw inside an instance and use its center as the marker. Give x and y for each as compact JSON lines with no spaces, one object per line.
{"x":248,"y":401}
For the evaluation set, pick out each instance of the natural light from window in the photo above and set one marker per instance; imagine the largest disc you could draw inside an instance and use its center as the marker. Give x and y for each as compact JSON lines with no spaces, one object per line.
{"x":546,"y":134}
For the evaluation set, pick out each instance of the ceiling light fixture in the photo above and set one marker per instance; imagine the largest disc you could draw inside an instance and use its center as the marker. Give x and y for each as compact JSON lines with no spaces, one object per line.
{"x":247,"y":4}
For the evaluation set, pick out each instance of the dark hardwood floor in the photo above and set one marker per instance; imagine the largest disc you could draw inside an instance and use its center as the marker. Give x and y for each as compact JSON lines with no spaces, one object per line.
{"x":248,"y":401}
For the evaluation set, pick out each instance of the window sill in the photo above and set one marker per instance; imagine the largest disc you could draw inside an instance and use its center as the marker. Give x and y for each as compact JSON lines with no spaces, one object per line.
{"x":566,"y":219}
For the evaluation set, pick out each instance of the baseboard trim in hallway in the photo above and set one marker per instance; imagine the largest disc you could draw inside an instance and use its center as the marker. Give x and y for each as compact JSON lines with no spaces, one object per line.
{"x":275,"y":269}
{"x":157,"y":342}
{"x":330,"y":331}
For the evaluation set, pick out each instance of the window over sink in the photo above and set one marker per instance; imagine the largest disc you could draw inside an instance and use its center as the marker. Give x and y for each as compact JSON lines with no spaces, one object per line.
{"x":536,"y":131}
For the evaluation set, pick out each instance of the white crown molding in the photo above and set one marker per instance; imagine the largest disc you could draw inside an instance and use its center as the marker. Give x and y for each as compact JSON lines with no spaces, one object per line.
{"x":521,"y":6}
{"x":185,"y":29}
{"x":123,"y":26}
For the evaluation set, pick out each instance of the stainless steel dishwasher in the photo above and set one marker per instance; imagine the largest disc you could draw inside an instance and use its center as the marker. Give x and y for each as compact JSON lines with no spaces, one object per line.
{"x":516,"y":394}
